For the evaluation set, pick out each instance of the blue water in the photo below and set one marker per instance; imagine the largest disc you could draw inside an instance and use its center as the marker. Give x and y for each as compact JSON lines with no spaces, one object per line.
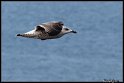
{"x":93,"y":54}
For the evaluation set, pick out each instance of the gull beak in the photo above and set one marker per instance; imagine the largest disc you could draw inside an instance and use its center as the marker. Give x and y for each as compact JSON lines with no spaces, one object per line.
{"x":73,"y":31}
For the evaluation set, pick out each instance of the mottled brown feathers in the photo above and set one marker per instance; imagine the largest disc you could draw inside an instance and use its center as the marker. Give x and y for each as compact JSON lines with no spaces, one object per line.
{"x":53,"y":28}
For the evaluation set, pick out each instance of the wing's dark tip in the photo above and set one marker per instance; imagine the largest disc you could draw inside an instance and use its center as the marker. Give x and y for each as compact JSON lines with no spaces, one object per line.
{"x":18,"y":35}
{"x":39,"y":28}
{"x":61,"y":23}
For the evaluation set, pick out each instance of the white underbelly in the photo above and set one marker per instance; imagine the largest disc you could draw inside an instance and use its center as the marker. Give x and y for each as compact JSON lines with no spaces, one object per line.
{"x":37,"y":35}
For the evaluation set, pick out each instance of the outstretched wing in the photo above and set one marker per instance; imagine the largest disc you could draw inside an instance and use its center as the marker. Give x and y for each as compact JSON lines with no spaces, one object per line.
{"x":53,"y":28}
{"x":40,"y":28}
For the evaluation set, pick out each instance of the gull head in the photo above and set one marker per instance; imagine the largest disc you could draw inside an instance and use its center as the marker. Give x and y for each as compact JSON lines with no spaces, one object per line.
{"x":66,"y":30}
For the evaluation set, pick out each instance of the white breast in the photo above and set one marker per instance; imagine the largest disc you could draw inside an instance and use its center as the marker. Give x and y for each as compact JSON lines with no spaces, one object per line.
{"x":40,"y":35}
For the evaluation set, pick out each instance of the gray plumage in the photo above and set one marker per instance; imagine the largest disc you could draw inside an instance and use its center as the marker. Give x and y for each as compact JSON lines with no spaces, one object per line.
{"x":49,"y":30}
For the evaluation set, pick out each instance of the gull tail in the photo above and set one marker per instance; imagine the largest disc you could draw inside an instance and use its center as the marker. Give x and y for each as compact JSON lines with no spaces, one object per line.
{"x":26,"y":35}
{"x":23,"y":35}
{"x":18,"y":35}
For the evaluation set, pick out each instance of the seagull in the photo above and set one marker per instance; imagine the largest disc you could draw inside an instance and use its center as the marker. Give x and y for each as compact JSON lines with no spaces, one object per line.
{"x":48,"y":30}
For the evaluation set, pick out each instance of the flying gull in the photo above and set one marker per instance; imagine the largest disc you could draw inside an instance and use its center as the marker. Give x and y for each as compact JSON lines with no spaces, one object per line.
{"x":48,"y":30}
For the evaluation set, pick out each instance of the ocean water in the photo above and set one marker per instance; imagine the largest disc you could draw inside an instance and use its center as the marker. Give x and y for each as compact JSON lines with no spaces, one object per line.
{"x":93,"y":54}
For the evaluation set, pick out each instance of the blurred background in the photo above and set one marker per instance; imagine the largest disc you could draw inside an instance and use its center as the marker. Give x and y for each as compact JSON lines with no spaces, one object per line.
{"x":93,"y":54}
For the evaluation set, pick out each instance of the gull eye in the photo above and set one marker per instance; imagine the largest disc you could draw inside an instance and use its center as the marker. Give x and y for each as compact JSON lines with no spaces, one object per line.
{"x":66,"y":29}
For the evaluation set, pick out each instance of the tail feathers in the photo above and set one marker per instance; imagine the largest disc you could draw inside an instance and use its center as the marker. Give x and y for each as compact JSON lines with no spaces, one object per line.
{"x":26,"y":35}
{"x":19,"y":35}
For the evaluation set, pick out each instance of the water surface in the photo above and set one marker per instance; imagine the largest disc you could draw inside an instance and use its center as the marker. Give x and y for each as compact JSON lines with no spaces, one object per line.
{"x":93,"y":54}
